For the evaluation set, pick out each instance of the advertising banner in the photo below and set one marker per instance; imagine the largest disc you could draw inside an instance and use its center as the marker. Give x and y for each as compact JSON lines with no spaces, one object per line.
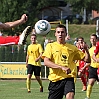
{"x":13,"y":70}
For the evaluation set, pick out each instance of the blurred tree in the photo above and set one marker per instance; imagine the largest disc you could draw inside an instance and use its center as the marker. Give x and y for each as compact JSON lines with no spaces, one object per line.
{"x":2,"y":54}
{"x":79,"y":5}
{"x":11,"y":10}
{"x":90,"y":5}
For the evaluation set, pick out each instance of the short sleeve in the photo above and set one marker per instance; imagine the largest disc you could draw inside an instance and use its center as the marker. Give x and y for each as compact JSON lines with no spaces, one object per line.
{"x":40,"y":48}
{"x":48,"y":51}
{"x":96,"y":51}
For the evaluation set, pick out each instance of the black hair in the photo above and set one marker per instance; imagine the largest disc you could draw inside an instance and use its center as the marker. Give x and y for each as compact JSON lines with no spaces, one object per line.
{"x":61,"y":26}
{"x":33,"y":35}
{"x":80,"y":38}
{"x":94,"y":35}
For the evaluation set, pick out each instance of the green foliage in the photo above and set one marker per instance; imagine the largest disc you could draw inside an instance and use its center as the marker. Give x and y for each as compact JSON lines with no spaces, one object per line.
{"x":12,"y":54}
{"x":75,"y":21}
{"x":8,"y":53}
{"x":11,"y":10}
{"x":2,"y":54}
{"x":21,"y":55}
{"x":78,"y":6}
{"x":90,"y":5}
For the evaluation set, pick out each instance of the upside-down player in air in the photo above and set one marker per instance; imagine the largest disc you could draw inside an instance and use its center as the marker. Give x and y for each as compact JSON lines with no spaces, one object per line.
{"x":10,"y":40}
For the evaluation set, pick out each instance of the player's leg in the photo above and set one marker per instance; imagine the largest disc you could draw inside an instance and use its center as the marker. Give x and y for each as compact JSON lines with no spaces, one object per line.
{"x":23,"y":36}
{"x":37,"y":70}
{"x":84,"y":81}
{"x":89,"y":87}
{"x":29,"y":82}
{"x":92,"y":78}
{"x":98,"y":75}
{"x":82,"y":76}
{"x":87,"y":73}
{"x":77,"y":69}
{"x":29,"y":75}
{"x":69,"y":88}
{"x":56,"y":89}
{"x":14,"y":40}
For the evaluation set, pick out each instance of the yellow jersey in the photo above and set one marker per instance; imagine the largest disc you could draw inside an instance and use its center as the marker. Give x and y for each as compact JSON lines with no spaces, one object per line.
{"x":64,"y":55}
{"x":93,"y":63}
{"x":33,"y":52}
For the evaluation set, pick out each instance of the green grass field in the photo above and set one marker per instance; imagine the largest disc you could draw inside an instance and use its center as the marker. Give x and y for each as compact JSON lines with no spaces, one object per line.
{"x":16,"y":89}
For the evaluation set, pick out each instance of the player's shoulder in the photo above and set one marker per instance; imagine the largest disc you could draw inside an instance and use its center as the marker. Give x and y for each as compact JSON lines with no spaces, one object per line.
{"x":93,"y":47}
{"x":51,"y":44}
{"x":38,"y":44}
{"x":97,"y":43}
{"x":71,"y":46}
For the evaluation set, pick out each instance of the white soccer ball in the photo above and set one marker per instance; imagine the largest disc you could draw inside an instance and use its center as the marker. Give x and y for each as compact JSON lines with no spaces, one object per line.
{"x":42,"y":27}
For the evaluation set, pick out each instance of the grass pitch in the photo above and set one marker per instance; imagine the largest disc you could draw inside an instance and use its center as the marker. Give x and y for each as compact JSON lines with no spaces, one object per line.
{"x":16,"y":89}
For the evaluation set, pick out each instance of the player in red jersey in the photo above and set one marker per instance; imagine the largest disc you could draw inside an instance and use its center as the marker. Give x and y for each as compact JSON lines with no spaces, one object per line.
{"x":83,"y":69}
{"x":96,"y":51}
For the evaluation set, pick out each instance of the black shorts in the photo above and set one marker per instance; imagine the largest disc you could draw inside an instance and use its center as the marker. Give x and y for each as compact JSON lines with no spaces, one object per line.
{"x":93,"y":73}
{"x":60,"y":88}
{"x":36,"y":69}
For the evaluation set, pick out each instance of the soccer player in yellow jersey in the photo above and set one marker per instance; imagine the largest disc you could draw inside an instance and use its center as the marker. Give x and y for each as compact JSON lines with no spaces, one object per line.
{"x":60,"y":57}
{"x":33,"y":62}
{"x":93,"y":76}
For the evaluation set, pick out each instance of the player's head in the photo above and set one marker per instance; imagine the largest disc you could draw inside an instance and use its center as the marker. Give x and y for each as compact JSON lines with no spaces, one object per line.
{"x":60,"y":33}
{"x":33,"y":38}
{"x":93,"y":39}
{"x":80,"y":40}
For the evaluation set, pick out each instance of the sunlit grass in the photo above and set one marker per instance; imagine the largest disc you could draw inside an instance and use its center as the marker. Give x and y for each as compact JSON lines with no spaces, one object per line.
{"x":16,"y":89}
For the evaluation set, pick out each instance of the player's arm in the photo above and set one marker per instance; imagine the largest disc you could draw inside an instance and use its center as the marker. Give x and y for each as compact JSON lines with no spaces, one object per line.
{"x":96,"y":51}
{"x":85,"y":66}
{"x":87,"y":58}
{"x":41,"y":52}
{"x":50,"y":64}
{"x":37,"y":59}
{"x":8,"y":25}
{"x":27,"y":57}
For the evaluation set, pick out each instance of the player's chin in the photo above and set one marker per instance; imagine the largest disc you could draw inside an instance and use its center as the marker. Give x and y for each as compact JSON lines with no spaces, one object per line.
{"x":60,"y":38}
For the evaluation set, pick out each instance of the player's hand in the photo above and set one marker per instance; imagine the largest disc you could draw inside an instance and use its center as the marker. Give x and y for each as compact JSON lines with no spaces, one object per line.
{"x":79,"y":74}
{"x":26,"y":65}
{"x":24,"y":18}
{"x":66,"y":69}
{"x":97,"y":60}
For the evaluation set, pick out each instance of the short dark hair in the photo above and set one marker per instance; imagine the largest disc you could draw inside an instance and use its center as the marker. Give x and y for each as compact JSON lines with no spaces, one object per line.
{"x":61,"y":26}
{"x":80,"y":38}
{"x":33,"y":35}
{"x":94,"y":35}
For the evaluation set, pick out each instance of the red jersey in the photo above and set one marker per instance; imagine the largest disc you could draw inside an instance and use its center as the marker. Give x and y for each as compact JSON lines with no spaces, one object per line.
{"x":96,"y":48}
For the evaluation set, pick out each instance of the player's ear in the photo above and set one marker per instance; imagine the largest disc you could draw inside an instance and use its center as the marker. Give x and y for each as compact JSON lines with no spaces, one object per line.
{"x":66,"y":34}
{"x":55,"y":33}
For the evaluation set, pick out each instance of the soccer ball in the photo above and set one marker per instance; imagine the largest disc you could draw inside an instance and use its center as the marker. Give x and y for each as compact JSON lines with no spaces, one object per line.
{"x":42,"y":27}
